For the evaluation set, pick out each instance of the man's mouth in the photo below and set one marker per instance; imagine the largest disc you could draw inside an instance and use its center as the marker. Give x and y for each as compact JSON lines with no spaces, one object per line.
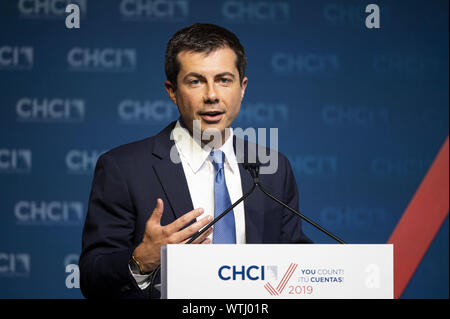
{"x":212,"y":116}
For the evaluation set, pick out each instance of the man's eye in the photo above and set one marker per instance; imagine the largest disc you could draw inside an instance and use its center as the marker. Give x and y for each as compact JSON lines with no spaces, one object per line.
{"x":194,"y":82}
{"x":225,"y":80}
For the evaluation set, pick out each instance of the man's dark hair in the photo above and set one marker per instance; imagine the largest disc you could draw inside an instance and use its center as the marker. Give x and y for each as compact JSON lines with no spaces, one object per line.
{"x":202,"y":38}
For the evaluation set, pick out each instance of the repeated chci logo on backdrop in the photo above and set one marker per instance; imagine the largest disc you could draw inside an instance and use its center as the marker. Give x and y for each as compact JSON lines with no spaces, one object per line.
{"x":351,"y":217}
{"x":56,"y":212}
{"x":322,"y":64}
{"x":354,"y":115}
{"x":15,"y":264}
{"x":52,"y":109}
{"x":16,"y":57}
{"x":158,"y":112}
{"x":405,"y":65}
{"x":314,"y":165}
{"x":45,"y":9}
{"x":82,"y":161}
{"x":13,"y":160}
{"x":259,"y":11}
{"x":262,"y":113}
{"x":385,"y":168}
{"x":154,"y":10}
{"x":82,"y":59}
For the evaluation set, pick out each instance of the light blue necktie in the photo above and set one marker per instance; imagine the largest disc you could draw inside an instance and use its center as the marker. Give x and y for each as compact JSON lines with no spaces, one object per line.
{"x":224,"y":229}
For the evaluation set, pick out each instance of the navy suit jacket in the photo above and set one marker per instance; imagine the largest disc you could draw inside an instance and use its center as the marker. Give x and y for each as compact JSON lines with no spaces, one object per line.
{"x":128,"y":180}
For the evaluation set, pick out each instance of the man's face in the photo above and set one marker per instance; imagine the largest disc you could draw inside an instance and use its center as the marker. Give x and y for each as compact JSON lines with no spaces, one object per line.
{"x":208,"y":89}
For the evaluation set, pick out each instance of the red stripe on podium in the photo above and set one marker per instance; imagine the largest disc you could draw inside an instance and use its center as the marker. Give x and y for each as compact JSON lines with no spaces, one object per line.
{"x":421,"y":220}
{"x":285,"y":276}
{"x":291,"y":272}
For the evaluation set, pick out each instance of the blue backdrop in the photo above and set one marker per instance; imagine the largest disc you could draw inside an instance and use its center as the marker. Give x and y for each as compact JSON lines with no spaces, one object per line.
{"x":361,"y":114}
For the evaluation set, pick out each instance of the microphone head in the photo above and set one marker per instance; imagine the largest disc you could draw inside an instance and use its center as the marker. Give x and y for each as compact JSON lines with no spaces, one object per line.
{"x":248,"y":165}
{"x":253,"y":169}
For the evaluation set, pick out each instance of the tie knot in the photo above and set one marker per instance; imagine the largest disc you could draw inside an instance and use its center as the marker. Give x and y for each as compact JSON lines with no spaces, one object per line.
{"x":217,"y":158}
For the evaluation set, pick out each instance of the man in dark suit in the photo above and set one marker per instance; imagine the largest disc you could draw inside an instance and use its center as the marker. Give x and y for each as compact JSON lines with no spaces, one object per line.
{"x":192,"y":163}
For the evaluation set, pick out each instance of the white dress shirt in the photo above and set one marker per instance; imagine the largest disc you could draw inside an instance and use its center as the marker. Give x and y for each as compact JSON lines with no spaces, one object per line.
{"x":200,"y":173}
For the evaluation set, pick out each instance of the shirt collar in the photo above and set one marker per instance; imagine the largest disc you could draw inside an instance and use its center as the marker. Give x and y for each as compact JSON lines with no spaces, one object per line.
{"x":228,"y":149}
{"x":195,"y":155}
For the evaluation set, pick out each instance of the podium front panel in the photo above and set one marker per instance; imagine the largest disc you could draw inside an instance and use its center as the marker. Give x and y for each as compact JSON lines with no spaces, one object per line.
{"x":277,"y":271}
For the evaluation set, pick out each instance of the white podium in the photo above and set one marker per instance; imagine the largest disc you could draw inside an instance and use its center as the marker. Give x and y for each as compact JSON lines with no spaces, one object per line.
{"x":277,"y":271}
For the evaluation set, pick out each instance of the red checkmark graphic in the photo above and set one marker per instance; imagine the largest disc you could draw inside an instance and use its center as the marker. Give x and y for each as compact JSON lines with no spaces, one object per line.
{"x":283,"y":282}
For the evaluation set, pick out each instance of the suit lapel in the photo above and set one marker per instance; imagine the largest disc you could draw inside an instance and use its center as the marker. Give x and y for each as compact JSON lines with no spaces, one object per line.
{"x":171,"y":175}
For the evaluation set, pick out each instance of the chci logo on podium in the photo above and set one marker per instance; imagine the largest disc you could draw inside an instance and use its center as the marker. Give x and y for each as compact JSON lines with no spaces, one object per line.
{"x":284,"y":280}
{"x":266,"y":273}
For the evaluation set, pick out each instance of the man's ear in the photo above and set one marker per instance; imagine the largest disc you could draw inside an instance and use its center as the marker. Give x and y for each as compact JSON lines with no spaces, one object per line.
{"x":243,"y":86}
{"x":171,"y":91}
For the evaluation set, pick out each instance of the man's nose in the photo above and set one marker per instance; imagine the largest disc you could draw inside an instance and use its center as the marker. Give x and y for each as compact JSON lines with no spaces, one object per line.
{"x":210,"y":96}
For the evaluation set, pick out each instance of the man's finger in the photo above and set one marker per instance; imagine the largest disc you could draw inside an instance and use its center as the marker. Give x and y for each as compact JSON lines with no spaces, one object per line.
{"x":203,"y":239}
{"x":182,"y":221}
{"x":157,"y":212}
{"x":194,"y":228}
